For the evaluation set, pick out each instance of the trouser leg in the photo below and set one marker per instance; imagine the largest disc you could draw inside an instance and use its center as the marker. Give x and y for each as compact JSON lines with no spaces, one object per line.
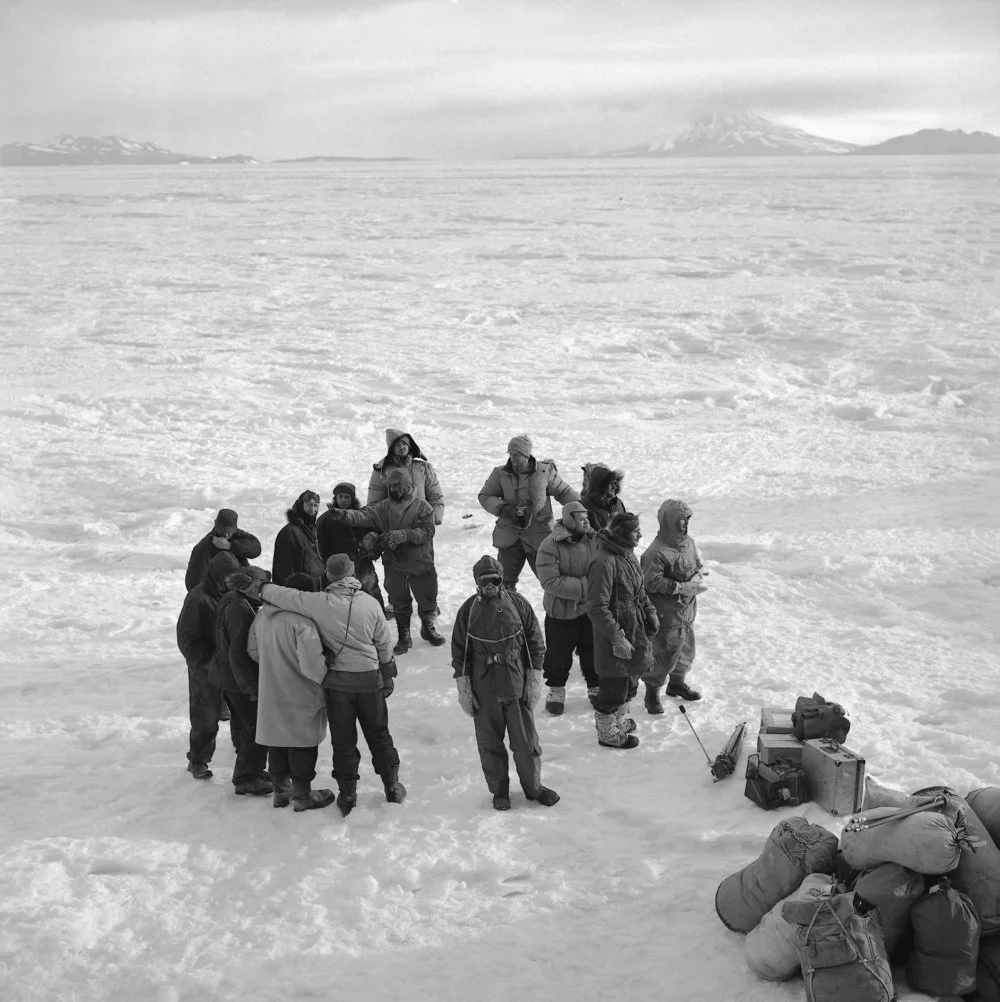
{"x":490,"y":729}
{"x":667,"y":645}
{"x":398,"y":587}
{"x":425,"y":591}
{"x":278,"y":763}
{"x":531,"y":556}
{"x":342,"y":714}
{"x":585,"y":649}
{"x":251,"y":758}
{"x":302,"y":763}
{"x":685,"y":656}
{"x":560,"y":639}
{"x":204,"y":702}
{"x":373,"y":715}
{"x":614,"y":692}
{"x":524,"y":746}
{"x":511,"y":559}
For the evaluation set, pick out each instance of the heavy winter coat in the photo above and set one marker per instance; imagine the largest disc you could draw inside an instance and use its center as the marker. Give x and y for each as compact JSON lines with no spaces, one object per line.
{"x":351,"y":625}
{"x":416,"y":517}
{"x":291,"y":709}
{"x":669,"y":560}
{"x":600,"y":510}
{"x":196,"y":623}
{"x":242,"y":546}
{"x":562,"y":565}
{"x":295,"y":548}
{"x":617,"y":600}
{"x":532,"y":490}
{"x":496,"y":642}
{"x":425,"y":480}
{"x":231,"y":668}
{"x":336,"y":536}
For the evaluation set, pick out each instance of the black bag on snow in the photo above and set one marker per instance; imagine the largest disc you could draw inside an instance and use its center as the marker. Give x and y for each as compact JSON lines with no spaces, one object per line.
{"x":945,"y":942}
{"x":780,"y":784}
{"x":815,"y":717}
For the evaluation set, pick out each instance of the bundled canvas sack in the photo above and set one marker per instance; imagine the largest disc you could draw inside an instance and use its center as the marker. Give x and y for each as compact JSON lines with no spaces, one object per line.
{"x":892,"y":889}
{"x":987,"y":971}
{"x":771,"y":948}
{"x":945,"y":942}
{"x":815,"y":717}
{"x":777,"y":784}
{"x":986,"y":804}
{"x":915,"y":837}
{"x":794,"y":849}
{"x":841,"y":951}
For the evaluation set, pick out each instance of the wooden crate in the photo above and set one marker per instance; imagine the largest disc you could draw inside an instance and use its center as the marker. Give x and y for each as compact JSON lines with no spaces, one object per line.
{"x":771,"y":747}
{"x":775,"y":720}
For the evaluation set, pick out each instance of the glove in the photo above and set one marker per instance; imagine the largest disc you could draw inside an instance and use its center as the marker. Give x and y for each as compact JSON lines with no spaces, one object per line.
{"x":338,"y":514}
{"x":524,"y":516}
{"x":509,"y":512}
{"x":397,"y":537}
{"x":388,"y":668}
{"x":387,"y":686}
{"x":688,"y":589}
{"x":652,"y":624}
{"x":466,"y":697}
{"x":621,"y":648}
{"x":533,"y":688}
{"x":220,"y":542}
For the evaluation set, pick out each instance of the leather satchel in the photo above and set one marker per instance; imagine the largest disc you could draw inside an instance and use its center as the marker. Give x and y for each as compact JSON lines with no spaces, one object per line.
{"x":815,"y":717}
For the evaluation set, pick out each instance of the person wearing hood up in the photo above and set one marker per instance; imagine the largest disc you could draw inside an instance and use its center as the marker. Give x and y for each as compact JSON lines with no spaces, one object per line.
{"x":226,"y":537}
{"x":196,"y":642}
{"x":601,"y":489}
{"x":295,"y":548}
{"x":405,"y":526}
{"x":404,"y":453}
{"x":333,"y":535}
{"x":358,"y":650}
{"x":518,"y":494}
{"x":624,"y":620}
{"x":674,"y":577}
{"x":497,"y":652}
{"x":563,"y":559}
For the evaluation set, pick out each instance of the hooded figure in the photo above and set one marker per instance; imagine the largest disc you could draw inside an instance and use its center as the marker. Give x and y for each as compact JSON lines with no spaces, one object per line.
{"x":563,"y":560}
{"x":196,"y":642}
{"x":673,"y":576}
{"x":601,"y":490}
{"x":624,"y":619}
{"x":295,"y":548}
{"x":404,"y":453}
{"x":405,"y":527}
{"x":333,"y":535}
{"x":497,"y":651}
{"x":518,"y":494}
{"x":225,"y":537}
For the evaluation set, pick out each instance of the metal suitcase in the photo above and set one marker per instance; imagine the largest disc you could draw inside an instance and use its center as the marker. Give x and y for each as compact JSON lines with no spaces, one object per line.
{"x":771,"y":747}
{"x":775,"y":720}
{"x":836,"y":775}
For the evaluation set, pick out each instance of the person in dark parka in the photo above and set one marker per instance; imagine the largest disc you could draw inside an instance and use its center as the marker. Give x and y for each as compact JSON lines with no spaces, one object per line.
{"x":602,"y":487}
{"x":497,"y":652}
{"x":196,"y":642}
{"x":624,"y":619}
{"x":225,"y":537}
{"x":357,"y":542}
{"x":234,"y":672}
{"x":295,"y":548}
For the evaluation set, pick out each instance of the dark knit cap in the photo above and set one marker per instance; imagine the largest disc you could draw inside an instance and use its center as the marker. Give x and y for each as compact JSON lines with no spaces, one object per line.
{"x":623,"y":525}
{"x":345,"y":487}
{"x":308,"y":496}
{"x":339,"y":566}
{"x":302,"y":582}
{"x":226,"y":519}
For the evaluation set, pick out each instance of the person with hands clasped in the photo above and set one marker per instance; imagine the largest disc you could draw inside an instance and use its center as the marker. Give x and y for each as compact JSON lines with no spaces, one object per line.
{"x":497,"y":651}
{"x":624,"y":620}
{"x":225,"y":537}
{"x":673,"y":576}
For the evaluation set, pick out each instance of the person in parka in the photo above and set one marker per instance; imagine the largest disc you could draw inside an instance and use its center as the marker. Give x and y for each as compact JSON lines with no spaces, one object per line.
{"x":518,"y":493}
{"x":601,"y":490}
{"x":358,"y":650}
{"x":295,"y":547}
{"x":291,"y":708}
{"x":497,"y":651}
{"x":403,"y":453}
{"x":406,"y":537}
{"x":673,"y":575}
{"x":563,"y":560}
{"x":225,"y":537}
{"x":624,"y":620}
{"x":235,"y":673}
{"x":196,"y":642}
{"x":335,"y":536}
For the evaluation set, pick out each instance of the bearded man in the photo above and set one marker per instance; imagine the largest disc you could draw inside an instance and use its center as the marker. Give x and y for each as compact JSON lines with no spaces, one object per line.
{"x":295,"y":548}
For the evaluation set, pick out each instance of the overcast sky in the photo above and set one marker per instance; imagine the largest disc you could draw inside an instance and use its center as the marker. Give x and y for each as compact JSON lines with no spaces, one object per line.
{"x":485,"y":78}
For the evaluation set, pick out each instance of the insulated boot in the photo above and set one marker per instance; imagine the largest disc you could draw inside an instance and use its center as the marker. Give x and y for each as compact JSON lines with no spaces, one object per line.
{"x":199,"y":770}
{"x":610,"y":732}
{"x":544,"y":796}
{"x":395,"y":792}
{"x":347,"y":798}
{"x":652,"y":700}
{"x":404,"y":643}
{"x":683,"y":691}
{"x":555,"y":699}
{"x":304,"y":798}
{"x":282,"y":790}
{"x":259,"y":786}
{"x":501,"y":798}
{"x":428,"y":633}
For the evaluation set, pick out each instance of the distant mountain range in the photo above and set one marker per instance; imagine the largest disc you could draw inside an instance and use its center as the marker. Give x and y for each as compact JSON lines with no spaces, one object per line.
{"x":720,"y":135}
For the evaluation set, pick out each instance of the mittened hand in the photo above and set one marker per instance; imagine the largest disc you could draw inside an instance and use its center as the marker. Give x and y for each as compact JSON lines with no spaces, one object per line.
{"x":338,"y":514}
{"x":652,"y":624}
{"x":220,"y":542}
{"x":688,"y":589}
{"x":533,"y":688}
{"x":509,"y":512}
{"x":397,"y":537}
{"x":466,"y":697}
{"x":387,"y":686}
{"x":621,"y":648}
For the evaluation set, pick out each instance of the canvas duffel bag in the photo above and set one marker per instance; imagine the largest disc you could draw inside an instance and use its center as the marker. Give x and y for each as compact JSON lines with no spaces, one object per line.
{"x":945,"y":942}
{"x":986,"y":804}
{"x":892,"y":889}
{"x":815,"y":717}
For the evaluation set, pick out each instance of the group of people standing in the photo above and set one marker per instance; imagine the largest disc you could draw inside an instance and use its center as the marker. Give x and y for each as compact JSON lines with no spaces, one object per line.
{"x":307,"y":646}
